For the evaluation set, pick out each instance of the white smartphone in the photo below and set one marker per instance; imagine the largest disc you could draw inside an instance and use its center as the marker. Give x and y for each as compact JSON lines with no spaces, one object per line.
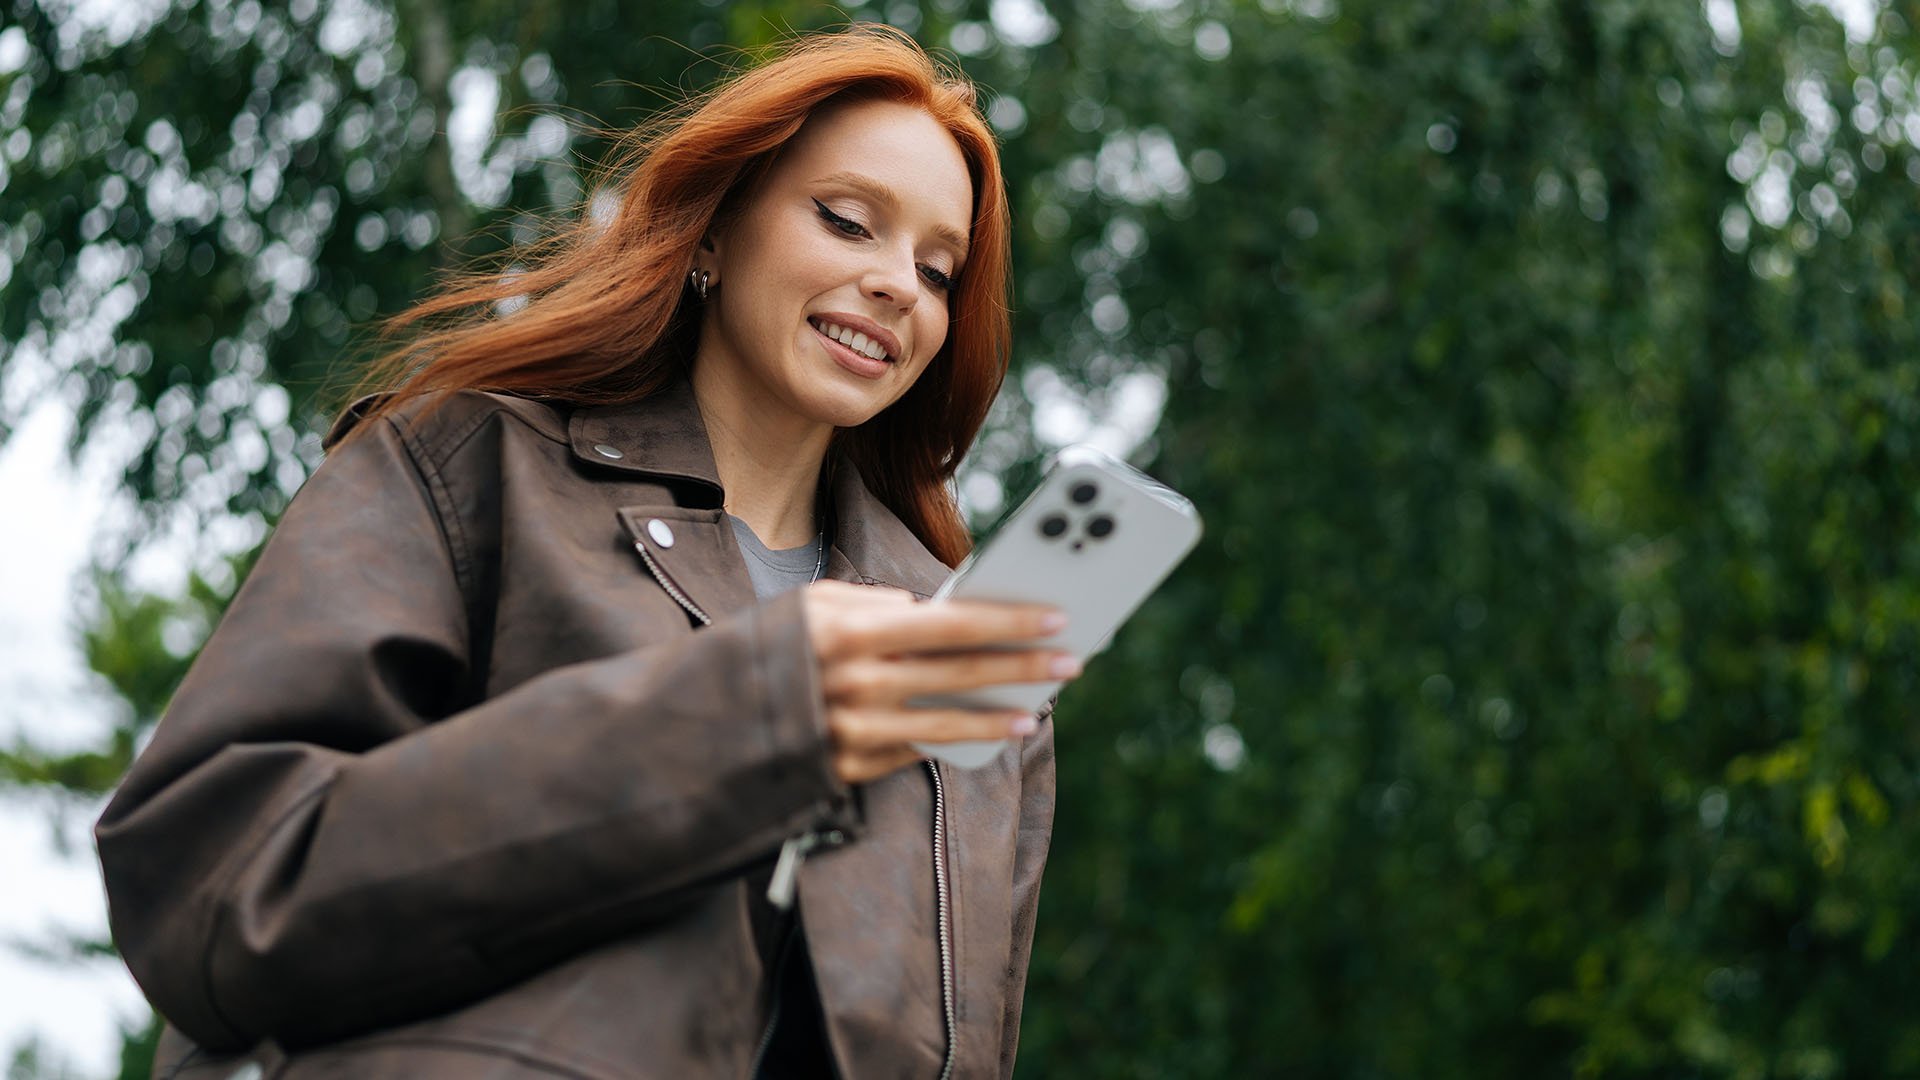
{"x":1095,"y":538}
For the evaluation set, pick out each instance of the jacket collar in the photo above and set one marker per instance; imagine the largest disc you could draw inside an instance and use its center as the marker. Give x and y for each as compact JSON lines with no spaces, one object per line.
{"x":660,"y":436}
{"x":664,"y":437}
{"x":873,"y":543}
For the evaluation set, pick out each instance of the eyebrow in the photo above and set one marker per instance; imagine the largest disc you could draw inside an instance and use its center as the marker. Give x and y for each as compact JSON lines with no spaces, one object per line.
{"x":881,"y":193}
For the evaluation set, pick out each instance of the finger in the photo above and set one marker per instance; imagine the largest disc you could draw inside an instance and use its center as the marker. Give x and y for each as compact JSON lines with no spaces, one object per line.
{"x":858,"y":768}
{"x":873,"y":729}
{"x":900,"y":678}
{"x":848,"y":591}
{"x":950,"y":626}
{"x":837,"y":611}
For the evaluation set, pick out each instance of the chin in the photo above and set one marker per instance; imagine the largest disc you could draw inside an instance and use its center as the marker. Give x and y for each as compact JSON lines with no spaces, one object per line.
{"x":846,"y":406}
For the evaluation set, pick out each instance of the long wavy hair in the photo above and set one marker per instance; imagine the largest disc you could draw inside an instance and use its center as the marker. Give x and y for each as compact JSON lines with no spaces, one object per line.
{"x":601,"y":311}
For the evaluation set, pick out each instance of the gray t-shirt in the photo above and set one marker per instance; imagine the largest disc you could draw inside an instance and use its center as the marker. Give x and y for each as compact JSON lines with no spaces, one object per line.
{"x":797,"y":1047}
{"x":775,"y":572}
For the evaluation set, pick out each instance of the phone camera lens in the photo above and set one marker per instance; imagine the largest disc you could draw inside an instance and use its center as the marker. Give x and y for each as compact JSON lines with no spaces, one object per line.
{"x":1100,"y":527}
{"x":1084,"y":493}
{"x":1053,"y":525}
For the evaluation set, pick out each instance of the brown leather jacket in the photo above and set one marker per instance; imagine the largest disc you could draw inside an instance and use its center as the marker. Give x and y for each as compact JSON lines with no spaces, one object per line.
{"x":463,"y":785}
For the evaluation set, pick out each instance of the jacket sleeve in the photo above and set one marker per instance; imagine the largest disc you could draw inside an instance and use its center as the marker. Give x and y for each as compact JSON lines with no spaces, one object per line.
{"x":1029,"y":860}
{"x":328,"y":835}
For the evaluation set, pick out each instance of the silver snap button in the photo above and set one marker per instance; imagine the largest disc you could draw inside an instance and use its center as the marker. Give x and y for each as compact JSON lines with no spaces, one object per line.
{"x":660,"y":533}
{"x":608,"y":451}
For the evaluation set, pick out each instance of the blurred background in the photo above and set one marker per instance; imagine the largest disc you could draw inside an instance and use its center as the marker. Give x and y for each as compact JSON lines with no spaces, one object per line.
{"x":1540,"y":702}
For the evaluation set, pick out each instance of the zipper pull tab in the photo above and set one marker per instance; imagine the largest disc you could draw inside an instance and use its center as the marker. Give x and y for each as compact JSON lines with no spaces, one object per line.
{"x":786,"y":870}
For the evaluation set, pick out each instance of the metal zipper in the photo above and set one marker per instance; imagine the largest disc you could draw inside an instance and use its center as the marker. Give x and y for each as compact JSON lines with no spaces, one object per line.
{"x":940,"y":895}
{"x":780,"y":891}
{"x":666,"y":583}
{"x":786,"y":871}
{"x":773,"y":1011}
{"x":766,"y":1037}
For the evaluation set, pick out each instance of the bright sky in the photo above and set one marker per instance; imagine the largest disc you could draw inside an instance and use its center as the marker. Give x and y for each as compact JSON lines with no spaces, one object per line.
{"x":46,"y":857}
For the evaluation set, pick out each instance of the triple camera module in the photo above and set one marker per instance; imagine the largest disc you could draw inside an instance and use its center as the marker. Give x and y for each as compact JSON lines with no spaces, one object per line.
{"x":1098,"y":527}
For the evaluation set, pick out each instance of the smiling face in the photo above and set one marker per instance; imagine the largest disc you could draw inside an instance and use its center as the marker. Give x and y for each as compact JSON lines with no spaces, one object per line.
{"x":831,"y":288}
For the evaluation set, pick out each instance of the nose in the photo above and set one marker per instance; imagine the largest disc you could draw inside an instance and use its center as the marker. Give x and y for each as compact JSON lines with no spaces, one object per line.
{"x":892,"y":278}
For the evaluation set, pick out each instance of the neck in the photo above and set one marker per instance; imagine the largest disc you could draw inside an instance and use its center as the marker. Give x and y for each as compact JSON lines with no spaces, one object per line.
{"x":768,"y":459}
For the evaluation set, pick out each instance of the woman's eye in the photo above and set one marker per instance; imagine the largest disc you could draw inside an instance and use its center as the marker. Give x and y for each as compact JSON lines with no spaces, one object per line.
{"x":845,"y":225}
{"x":935,"y":276}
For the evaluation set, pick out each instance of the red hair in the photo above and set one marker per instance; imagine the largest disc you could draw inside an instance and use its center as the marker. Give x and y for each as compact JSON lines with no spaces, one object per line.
{"x":607,"y":316}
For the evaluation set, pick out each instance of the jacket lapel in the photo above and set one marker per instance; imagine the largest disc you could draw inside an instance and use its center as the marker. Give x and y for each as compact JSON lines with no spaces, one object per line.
{"x":662,"y":438}
{"x":684,"y":540}
{"x":693,"y":554}
{"x":871,"y":544}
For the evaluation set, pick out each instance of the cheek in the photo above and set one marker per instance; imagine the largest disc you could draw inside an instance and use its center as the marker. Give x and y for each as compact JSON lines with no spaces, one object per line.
{"x":931,"y":325}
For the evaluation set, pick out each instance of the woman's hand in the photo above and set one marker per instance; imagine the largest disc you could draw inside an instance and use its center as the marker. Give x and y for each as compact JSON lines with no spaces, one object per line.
{"x":878,"y":649}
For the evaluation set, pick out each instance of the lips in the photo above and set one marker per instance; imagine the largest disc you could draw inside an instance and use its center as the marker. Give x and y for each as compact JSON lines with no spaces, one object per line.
{"x":857,"y":363}
{"x":863,"y":337}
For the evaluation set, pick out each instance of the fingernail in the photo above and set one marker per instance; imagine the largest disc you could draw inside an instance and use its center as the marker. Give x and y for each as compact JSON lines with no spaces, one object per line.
{"x":1053,"y":621}
{"x":1024,"y":725}
{"x":1064,"y":666}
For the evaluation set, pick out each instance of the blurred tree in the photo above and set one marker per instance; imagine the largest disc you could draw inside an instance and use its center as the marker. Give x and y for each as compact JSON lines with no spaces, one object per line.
{"x":203,"y":199}
{"x":1542,"y":368}
{"x":1534,"y":707}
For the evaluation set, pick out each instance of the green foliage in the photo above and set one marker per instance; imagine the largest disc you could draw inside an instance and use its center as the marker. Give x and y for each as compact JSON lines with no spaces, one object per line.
{"x":1557,"y":589}
{"x":140,"y":645}
{"x":137,"y":1047}
{"x":27,"y":1062}
{"x":1543,"y":369}
{"x":199,"y":216}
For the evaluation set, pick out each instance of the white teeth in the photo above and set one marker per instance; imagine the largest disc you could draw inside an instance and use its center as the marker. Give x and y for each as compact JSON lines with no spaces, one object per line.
{"x":858,"y":342}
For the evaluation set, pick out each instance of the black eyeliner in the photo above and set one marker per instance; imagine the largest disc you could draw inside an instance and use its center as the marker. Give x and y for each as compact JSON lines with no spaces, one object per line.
{"x":832,"y":218}
{"x":948,"y":282}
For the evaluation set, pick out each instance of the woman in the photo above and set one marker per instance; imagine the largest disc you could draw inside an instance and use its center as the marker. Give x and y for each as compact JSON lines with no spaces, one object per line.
{"x":506,"y":761}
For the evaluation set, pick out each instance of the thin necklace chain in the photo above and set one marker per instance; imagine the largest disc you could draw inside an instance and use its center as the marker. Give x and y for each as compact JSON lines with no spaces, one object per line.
{"x":821,"y":511}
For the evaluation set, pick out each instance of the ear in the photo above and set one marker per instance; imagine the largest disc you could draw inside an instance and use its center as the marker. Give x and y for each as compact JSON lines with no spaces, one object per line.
{"x":708,"y":257}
